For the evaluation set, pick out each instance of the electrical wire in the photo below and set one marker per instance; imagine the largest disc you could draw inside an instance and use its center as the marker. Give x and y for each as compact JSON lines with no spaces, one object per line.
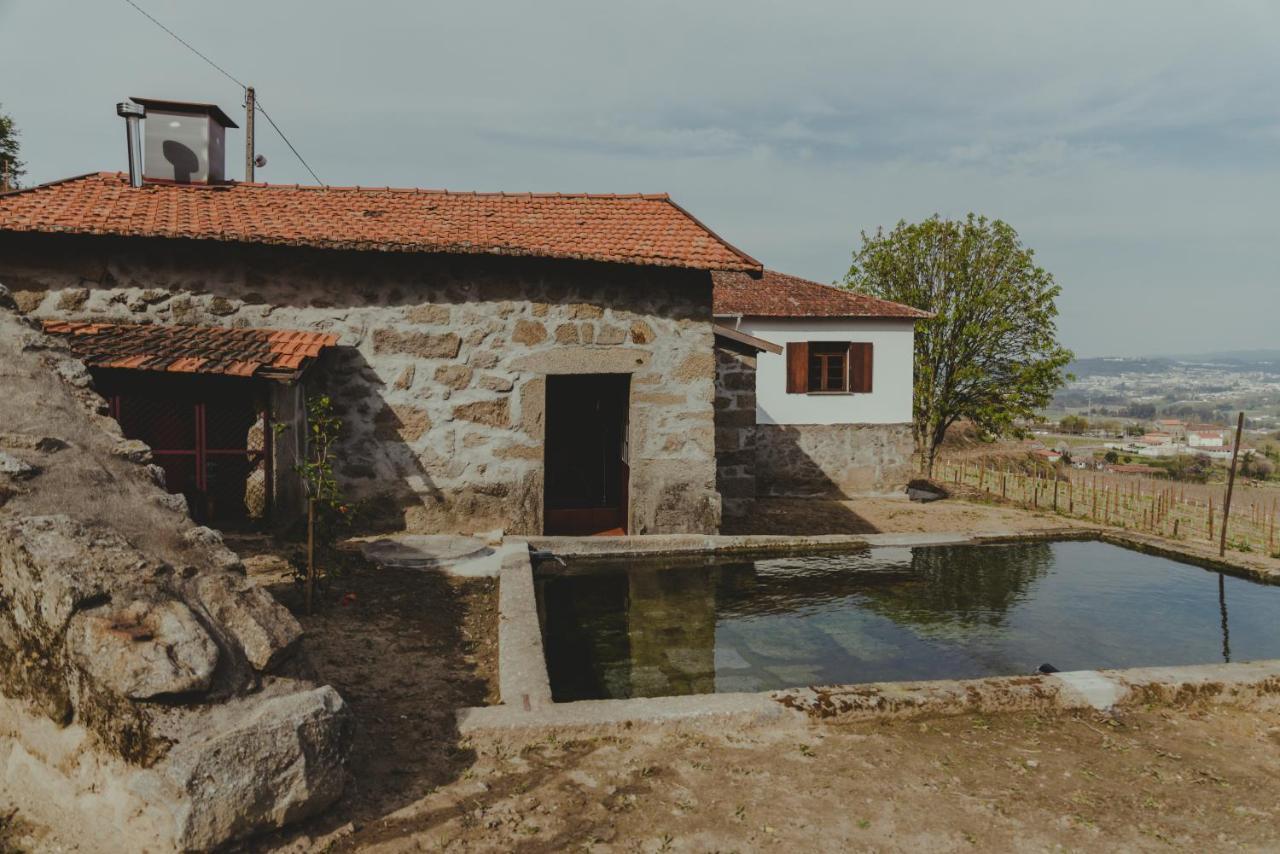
{"x":232,"y":78}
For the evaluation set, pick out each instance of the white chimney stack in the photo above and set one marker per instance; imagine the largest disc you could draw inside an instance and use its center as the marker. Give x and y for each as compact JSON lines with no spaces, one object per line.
{"x":185,"y":142}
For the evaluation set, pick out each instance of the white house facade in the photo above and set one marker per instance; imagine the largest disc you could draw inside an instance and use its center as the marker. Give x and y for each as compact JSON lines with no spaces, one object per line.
{"x":833,"y":398}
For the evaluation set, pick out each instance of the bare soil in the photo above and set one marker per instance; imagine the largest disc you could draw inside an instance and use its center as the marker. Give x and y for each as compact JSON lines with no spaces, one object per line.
{"x":1199,"y":778}
{"x":405,"y":649}
{"x":813,"y":516}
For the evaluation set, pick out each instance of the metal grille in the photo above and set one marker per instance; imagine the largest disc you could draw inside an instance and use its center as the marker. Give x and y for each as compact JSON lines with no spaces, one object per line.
{"x":216,"y":453}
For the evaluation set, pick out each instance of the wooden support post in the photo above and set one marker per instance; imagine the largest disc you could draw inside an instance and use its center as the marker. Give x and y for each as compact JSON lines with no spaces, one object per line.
{"x":1231,"y":483}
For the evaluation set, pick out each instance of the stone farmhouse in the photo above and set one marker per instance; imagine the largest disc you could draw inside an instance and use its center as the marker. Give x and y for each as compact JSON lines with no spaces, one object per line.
{"x":533,"y":363}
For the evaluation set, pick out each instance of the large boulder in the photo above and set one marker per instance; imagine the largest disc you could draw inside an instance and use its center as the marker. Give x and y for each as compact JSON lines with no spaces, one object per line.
{"x":151,"y":697}
{"x":143,"y":649}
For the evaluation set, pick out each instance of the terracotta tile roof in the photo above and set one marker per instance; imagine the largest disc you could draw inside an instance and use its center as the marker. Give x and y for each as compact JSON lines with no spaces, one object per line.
{"x":639,"y":229}
{"x":191,"y":349}
{"x":778,"y":295}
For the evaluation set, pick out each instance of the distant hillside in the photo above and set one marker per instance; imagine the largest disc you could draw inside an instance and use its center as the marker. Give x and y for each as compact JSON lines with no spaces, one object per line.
{"x":1241,"y":361}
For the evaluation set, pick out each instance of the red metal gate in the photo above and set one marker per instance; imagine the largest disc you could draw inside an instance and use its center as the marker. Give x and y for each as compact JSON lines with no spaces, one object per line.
{"x":215,"y":449}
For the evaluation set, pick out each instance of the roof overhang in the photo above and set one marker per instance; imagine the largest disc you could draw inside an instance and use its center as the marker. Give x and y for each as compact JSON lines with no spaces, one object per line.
{"x":741,"y":341}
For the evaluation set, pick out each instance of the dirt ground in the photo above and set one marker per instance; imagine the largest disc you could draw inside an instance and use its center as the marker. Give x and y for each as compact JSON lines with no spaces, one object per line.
{"x":405,"y":649}
{"x":812,"y":516}
{"x":1198,"y":778}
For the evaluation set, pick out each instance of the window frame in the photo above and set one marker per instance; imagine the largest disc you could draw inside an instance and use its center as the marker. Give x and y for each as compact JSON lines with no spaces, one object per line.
{"x":857,"y":361}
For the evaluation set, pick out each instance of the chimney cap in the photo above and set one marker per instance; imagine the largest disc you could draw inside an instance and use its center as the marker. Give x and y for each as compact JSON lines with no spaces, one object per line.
{"x":213,"y":111}
{"x":125,"y":110}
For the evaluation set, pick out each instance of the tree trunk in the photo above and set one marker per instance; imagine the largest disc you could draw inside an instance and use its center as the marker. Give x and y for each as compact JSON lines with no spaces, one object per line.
{"x":311,"y":552}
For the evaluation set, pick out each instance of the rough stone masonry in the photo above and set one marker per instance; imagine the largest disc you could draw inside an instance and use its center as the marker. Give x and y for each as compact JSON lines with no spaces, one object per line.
{"x":151,"y":697}
{"x":440,"y":374}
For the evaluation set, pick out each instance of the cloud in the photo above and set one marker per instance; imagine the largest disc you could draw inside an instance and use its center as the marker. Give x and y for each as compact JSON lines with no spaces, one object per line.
{"x":1133,"y":145}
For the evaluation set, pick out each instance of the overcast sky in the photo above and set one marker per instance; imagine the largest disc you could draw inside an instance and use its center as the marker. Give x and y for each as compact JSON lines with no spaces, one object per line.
{"x":1135,"y":146}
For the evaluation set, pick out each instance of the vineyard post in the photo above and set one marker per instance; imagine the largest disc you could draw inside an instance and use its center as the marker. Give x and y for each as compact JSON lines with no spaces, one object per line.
{"x":1231,"y":482}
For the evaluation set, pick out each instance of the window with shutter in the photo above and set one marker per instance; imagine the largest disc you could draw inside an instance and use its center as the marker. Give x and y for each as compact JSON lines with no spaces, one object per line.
{"x":819,"y":367}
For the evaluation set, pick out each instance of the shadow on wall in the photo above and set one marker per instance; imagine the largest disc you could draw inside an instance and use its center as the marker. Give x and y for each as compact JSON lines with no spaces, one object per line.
{"x":378,"y":468}
{"x":796,"y":492}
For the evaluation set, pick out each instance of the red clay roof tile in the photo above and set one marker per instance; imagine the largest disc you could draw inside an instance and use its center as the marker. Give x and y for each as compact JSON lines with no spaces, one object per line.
{"x":776,"y":294}
{"x":637,"y":229}
{"x":189,"y":349}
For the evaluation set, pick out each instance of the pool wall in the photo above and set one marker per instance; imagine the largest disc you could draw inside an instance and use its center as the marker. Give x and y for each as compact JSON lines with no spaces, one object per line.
{"x":525,"y":686}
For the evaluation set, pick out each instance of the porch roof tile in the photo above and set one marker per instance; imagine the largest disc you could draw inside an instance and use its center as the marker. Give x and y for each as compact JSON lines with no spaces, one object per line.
{"x":191,"y":349}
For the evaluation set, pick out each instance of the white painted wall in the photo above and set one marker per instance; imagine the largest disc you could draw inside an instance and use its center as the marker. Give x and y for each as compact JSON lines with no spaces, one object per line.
{"x":890,"y":399}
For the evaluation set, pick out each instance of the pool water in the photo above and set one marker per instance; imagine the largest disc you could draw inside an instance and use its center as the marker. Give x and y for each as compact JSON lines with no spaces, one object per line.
{"x":956,"y":612}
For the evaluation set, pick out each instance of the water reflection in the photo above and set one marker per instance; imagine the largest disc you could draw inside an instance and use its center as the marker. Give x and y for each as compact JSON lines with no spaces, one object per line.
{"x":948,"y":612}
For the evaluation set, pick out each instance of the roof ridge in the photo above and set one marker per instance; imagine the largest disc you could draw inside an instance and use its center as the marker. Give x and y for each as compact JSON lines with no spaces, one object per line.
{"x":426,"y":191}
{"x":55,"y":182}
{"x":645,"y":229}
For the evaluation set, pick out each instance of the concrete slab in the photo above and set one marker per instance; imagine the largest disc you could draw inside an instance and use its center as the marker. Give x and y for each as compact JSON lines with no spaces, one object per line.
{"x":522,"y":665}
{"x":1093,"y":687}
{"x":740,"y":708}
{"x":420,"y":551}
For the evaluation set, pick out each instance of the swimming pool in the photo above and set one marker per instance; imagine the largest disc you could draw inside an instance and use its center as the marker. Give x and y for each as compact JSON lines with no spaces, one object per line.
{"x":630,"y":629}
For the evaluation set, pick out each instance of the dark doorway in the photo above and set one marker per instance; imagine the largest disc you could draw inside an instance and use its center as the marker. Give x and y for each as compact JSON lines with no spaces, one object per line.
{"x":586,"y":454}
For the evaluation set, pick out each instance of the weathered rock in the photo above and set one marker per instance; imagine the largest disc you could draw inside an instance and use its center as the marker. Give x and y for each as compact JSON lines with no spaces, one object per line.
{"x":405,"y":380}
{"x":405,"y":423}
{"x":211,"y":542}
{"x":73,"y":299}
{"x":133,"y":450}
{"x":29,"y":442}
{"x":529,"y":332}
{"x":426,"y":345}
{"x":264,"y":630}
{"x":144,"y":704}
{"x":456,"y":377}
{"x":430,"y":315}
{"x":276,"y":762}
{"x":495,"y":413}
{"x":145,"y":649}
{"x":567,"y":333}
{"x":222,"y":307}
{"x":16,"y":468}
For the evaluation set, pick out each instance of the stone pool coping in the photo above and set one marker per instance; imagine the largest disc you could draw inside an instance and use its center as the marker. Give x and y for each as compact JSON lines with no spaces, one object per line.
{"x":525,"y":686}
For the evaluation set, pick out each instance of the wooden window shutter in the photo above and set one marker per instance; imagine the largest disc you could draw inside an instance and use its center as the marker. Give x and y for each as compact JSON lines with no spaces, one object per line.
{"x":860,"y":365}
{"x":798,"y":367}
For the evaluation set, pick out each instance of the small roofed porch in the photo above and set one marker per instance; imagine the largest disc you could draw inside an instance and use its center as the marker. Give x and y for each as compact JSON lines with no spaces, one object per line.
{"x":223,"y":410}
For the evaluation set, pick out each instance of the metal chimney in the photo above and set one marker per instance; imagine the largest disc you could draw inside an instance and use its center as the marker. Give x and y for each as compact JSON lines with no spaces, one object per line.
{"x":133,"y":114}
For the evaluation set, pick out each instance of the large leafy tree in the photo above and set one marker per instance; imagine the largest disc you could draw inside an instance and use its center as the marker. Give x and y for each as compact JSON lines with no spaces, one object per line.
{"x":11,"y":168}
{"x":990,"y":352}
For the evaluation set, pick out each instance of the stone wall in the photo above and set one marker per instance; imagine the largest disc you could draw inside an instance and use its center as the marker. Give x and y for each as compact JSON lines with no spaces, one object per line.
{"x":440,"y":371}
{"x":832,"y":460}
{"x":735,"y":429}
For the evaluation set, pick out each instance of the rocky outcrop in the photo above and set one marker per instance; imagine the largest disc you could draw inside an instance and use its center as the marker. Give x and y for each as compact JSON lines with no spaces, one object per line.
{"x":151,"y":697}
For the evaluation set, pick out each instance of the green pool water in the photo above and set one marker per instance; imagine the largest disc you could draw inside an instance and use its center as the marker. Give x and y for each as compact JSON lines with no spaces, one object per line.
{"x":644,"y":630}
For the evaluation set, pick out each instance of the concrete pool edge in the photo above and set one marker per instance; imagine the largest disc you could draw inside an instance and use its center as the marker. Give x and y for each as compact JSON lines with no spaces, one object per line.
{"x":1097,"y":690}
{"x":525,"y":687}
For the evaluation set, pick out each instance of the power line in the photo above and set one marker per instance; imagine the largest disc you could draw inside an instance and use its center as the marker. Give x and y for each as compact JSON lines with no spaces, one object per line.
{"x":186,"y":44}
{"x":233,"y":79}
{"x":272,"y":122}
